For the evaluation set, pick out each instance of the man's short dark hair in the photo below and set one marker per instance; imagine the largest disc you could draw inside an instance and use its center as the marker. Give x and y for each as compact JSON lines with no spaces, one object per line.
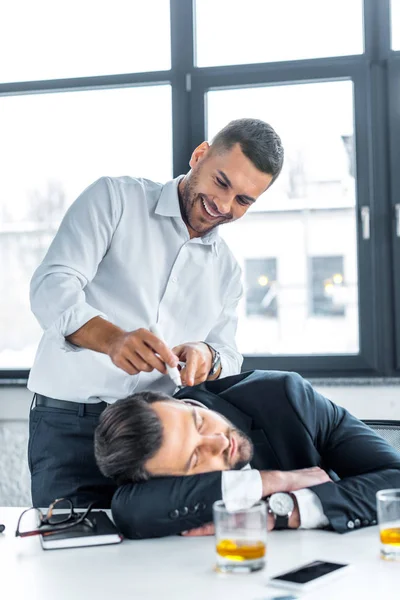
{"x":128,"y":434}
{"x":258,"y":141}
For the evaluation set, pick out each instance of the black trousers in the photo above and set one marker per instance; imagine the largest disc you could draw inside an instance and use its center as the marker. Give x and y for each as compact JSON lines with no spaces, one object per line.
{"x":61,"y":457}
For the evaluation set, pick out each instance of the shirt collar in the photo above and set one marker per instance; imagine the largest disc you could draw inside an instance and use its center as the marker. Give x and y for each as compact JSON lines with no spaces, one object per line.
{"x":168,"y":202}
{"x":168,"y":206}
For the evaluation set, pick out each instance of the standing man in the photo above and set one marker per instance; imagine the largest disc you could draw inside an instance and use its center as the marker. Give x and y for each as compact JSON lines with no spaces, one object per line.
{"x":129,"y":253}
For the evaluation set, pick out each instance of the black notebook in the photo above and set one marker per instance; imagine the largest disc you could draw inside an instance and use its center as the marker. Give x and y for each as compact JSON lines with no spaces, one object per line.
{"x":103,"y":532}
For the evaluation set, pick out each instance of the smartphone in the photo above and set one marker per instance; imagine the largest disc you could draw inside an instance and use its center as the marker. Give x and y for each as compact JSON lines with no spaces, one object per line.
{"x":308,"y":576}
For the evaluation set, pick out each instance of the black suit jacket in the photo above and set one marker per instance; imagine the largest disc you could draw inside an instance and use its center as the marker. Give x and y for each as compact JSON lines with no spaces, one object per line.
{"x":292,"y":427}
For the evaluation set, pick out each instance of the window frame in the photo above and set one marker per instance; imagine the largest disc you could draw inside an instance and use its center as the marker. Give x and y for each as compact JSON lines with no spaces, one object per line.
{"x":312,"y":70}
{"x":376,"y":79}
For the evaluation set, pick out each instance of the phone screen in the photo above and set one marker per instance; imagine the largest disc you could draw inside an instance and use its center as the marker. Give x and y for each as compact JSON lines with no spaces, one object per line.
{"x":309,"y":572}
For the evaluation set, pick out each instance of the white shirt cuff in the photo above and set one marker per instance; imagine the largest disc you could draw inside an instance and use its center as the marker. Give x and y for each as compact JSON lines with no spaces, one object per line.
{"x":310,"y":508}
{"x":241,"y":489}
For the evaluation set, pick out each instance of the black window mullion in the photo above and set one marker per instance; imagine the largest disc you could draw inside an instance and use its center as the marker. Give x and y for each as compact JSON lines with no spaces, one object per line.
{"x":377,"y":29}
{"x":182,"y":60}
{"x":394,"y":128}
{"x":367,"y":296}
{"x":385,"y":147}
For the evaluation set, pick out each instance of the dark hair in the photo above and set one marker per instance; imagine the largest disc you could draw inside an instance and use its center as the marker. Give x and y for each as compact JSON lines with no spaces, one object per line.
{"x":258,"y":141}
{"x":128,"y":434}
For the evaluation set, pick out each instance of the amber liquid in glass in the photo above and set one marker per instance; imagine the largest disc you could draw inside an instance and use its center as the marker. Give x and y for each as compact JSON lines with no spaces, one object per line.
{"x":391,"y":536}
{"x":238,"y":550}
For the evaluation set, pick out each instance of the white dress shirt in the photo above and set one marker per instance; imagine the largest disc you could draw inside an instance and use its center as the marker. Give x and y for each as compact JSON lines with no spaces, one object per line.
{"x":241,"y":489}
{"x":123,"y":252}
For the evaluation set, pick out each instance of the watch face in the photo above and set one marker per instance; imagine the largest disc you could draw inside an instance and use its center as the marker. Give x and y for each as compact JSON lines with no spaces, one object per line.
{"x":281,"y":504}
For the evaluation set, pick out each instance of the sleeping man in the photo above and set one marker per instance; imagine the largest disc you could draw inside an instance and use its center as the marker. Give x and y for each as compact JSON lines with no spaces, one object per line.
{"x":260,"y":434}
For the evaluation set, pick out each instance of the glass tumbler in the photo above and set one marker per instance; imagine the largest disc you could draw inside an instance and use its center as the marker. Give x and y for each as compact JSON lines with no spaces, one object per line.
{"x":240,"y":537}
{"x":388,"y":507}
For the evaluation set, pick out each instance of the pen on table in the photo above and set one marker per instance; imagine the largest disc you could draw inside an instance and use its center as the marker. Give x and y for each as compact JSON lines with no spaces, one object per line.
{"x":2,"y":528}
{"x":173,"y":372}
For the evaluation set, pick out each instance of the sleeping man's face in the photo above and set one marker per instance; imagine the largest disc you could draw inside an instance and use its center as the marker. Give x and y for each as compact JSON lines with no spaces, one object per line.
{"x":197,"y":440}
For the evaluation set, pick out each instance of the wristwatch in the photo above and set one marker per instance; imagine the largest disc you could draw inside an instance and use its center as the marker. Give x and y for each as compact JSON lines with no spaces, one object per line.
{"x":216,"y":361}
{"x":281,"y":506}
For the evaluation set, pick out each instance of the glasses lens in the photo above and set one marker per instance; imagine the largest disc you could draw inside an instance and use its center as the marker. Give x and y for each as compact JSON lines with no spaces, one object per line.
{"x":60,"y":511}
{"x":29,"y":521}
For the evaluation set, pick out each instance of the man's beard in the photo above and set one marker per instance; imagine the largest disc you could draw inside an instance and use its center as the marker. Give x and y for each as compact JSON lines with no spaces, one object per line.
{"x":245,"y":450}
{"x":187,"y":202}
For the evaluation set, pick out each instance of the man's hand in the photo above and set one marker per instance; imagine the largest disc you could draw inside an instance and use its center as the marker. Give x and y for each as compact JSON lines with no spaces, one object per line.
{"x":289,"y":481}
{"x":198,"y":359}
{"x":136,"y":351}
{"x":131,"y":351}
{"x":207,"y":529}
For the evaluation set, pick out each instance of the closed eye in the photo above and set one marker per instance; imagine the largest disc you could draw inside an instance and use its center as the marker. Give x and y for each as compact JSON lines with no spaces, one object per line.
{"x":199,"y":421}
{"x":221,"y":183}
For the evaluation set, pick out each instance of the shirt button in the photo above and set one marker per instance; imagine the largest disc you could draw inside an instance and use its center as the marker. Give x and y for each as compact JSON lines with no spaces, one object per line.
{"x":174,"y":279}
{"x":365,"y":522}
{"x":350,"y":525}
{"x":184,"y":511}
{"x":357,"y":522}
{"x":174,"y":514}
{"x":373,"y":522}
{"x":202,"y":506}
{"x":193,"y":509}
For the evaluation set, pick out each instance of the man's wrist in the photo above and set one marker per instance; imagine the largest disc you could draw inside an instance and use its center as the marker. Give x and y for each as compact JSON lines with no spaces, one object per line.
{"x":294,"y":519}
{"x":272,"y":481}
{"x":215,"y":368}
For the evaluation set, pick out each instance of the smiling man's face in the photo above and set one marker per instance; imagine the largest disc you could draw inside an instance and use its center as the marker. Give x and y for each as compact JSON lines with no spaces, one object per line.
{"x":220,"y":188}
{"x":197,"y":440}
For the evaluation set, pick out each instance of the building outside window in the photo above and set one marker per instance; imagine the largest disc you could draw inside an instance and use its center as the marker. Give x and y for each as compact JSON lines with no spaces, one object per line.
{"x":328,"y":290}
{"x":261,"y":287}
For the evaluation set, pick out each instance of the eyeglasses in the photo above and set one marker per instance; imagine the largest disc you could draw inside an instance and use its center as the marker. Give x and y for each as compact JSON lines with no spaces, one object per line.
{"x":51,"y":522}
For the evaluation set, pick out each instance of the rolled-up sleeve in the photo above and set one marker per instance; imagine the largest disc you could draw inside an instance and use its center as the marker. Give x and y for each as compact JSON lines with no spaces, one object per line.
{"x":222,"y":336}
{"x":57,"y":288}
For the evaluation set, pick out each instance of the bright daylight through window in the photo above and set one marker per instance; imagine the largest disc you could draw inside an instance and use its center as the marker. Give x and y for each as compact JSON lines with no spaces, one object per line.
{"x":257,"y":31}
{"x":52,"y":147}
{"x":310,"y":211}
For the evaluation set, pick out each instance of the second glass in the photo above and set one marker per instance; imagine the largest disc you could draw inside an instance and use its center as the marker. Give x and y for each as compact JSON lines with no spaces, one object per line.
{"x":241,"y":538}
{"x":388,"y":507}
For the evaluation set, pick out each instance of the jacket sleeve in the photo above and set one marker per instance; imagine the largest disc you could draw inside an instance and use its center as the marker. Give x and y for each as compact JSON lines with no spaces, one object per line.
{"x":364,"y":462}
{"x":165,"y":505}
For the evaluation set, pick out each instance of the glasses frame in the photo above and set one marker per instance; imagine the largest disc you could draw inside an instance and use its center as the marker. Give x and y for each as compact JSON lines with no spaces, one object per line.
{"x":45,"y":526}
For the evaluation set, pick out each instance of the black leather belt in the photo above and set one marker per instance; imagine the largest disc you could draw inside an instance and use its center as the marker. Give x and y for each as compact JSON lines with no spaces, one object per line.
{"x":75,"y":407}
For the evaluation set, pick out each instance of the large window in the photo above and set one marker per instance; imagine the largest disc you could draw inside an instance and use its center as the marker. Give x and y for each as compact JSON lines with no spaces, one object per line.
{"x":53,"y":146}
{"x":311,"y":209}
{"x":130,"y":88}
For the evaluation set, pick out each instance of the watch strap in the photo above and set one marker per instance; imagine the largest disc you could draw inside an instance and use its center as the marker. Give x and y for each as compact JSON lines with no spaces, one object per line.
{"x":281,"y":522}
{"x":216,"y":360}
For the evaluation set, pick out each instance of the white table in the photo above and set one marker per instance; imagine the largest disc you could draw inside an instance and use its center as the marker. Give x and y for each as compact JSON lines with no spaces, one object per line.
{"x":182,"y":568}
